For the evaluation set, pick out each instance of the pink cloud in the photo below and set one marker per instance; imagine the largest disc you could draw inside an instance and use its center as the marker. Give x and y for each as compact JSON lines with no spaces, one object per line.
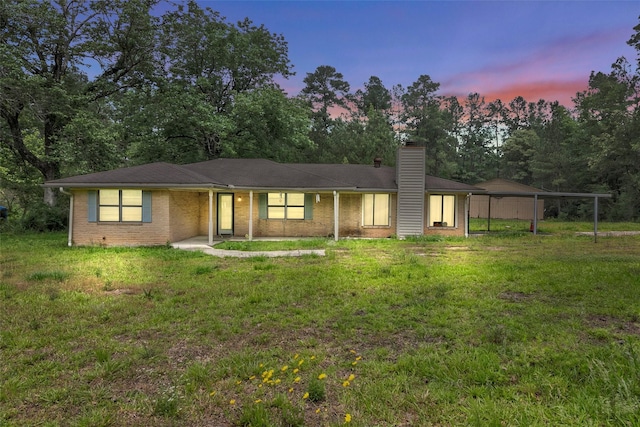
{"x":554,"y":72}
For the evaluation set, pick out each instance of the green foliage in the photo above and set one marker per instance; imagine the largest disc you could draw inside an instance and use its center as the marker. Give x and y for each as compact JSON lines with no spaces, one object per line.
{"x":187,"y":86}
{"x":270,"y":126}
{"x":55,"y":276}
{"x":254,"y":416}
{"x":41,"y":217}
{"x":316,"y":390}
{"x":167,"y":405}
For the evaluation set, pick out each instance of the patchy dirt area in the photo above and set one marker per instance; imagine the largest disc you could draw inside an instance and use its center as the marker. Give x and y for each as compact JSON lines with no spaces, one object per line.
{"x":615,"y":324}
{"x":514,"y":296}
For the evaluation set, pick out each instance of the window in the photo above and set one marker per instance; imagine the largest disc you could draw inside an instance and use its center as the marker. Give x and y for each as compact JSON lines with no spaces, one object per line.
{"x":120,"y":205}
{"x":375,"y":209}
{"x":109,"y":205}
{"x":285,"y":206}
{"x":442,"y":210}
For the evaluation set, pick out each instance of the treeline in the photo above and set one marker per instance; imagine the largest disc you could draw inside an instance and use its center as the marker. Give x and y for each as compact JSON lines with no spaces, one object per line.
{"x":95,"y":85}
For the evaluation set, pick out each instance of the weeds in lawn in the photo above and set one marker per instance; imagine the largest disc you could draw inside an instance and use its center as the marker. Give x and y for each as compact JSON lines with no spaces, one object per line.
{"x":52,"y":276}
{"x":530,"y":330}
{"x":167,"y":404}
{"x":282,"y":394}
{"x":204,"y":269}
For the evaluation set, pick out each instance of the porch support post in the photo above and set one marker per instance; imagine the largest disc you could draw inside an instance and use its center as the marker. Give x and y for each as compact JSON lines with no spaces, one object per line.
{"x":489,"y":215}
{"x":595,"y":219}
{"x":466,"y":214}
{"x":210,"y":217}
{"x":336,"y":214}
{"x":535,"y":213}
{"x":250,"y":215}
{"x":70,"y":238}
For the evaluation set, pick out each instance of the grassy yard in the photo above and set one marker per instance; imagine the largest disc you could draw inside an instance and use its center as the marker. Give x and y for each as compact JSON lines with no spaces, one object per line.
{"x":489,"y":331}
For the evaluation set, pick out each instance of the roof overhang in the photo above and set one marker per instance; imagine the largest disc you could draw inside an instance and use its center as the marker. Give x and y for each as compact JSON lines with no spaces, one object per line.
{"x":93,"y":185}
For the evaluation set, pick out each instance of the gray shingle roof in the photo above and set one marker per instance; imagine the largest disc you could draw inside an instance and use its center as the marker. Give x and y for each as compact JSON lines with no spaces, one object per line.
{"x":149,"y":175}
{"x":254,"y":174}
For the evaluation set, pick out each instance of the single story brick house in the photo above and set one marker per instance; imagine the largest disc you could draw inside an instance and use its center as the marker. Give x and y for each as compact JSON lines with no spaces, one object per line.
{"x":157,"y":203}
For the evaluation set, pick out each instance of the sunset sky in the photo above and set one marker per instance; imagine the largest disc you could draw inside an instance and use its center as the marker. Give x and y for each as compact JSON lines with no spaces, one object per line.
{"x":500,"y":49}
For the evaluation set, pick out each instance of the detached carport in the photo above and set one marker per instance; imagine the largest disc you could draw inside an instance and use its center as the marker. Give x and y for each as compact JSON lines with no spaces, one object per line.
{"x":536,"y":195}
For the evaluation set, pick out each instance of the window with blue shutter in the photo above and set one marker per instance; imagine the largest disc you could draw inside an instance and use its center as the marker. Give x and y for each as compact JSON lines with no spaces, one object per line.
{"x":146,"y":206}
{"x":92,"y":210}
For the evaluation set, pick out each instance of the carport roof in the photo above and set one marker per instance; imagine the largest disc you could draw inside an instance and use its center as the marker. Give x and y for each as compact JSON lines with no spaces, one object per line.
{"x":544,"y":194}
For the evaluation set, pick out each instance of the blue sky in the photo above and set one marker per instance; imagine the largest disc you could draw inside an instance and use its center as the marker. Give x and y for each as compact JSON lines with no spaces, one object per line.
{"x":500,"y":49}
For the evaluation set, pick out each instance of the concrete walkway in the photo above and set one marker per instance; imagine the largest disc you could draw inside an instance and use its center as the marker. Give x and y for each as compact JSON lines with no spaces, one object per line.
{"x":200,"y":244}
{"x":608,"y":233}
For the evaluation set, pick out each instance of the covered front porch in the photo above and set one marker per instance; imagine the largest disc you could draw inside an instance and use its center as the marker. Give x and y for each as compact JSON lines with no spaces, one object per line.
{"x":237,"y":214}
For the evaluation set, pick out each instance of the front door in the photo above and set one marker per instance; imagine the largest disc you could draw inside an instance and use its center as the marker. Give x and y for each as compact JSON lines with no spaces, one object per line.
{"x":225,"y":213}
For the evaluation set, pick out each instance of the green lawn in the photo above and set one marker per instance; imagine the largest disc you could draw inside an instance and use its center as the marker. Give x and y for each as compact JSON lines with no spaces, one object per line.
{"x":510,"y":329}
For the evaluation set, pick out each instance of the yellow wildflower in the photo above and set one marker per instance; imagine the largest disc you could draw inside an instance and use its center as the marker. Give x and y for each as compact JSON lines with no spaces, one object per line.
{"x":291,"y":390}
{"x":306,"y":395}
{"x":351,"y":377}
{"x":300,"y":362}
{"x":318,"y":411}
{"x":277,"y":381}
{"x":284,"y":368}
{"x":252,"y":377}
{"x":266,"y":375}
{"x":359,"y":358}
{"x":295,"y":356}
{"x":258,"y":400}
{"x":313,"y":358}
{"x":346,"y":384}
{"x":213,"y":393}
{"x":238,"y":382}
{"x":232,"y":402}
{"x":354,"y":363}
{"x":352,"y":351}
{"x":322,"y":376}
{"x":347,"y":418}
{"x":297,"y":380}
{"x":295,"y":371}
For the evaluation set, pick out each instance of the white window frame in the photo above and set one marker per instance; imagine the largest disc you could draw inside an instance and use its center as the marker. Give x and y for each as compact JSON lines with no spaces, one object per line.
{"x":373,"y":220}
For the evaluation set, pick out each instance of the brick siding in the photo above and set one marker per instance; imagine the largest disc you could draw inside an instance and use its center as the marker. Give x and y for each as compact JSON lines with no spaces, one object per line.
{"x":156,"y":232}
{"x":178,"y":215}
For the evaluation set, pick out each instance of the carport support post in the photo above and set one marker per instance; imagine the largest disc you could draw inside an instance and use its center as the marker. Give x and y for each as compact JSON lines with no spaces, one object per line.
{"x":250,"y":215}
{"x":210,"y":217}
{"x":535,"y":214}
{"x":336,"y":214}
{"x":595,"y":219}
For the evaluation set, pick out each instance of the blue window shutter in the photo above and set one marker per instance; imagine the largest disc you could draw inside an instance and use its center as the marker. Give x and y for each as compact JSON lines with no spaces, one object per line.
{"x":262,"y":205}
{"x":146,"y":206}
{"x":92,"y":211}
{"x":308,"y":206}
